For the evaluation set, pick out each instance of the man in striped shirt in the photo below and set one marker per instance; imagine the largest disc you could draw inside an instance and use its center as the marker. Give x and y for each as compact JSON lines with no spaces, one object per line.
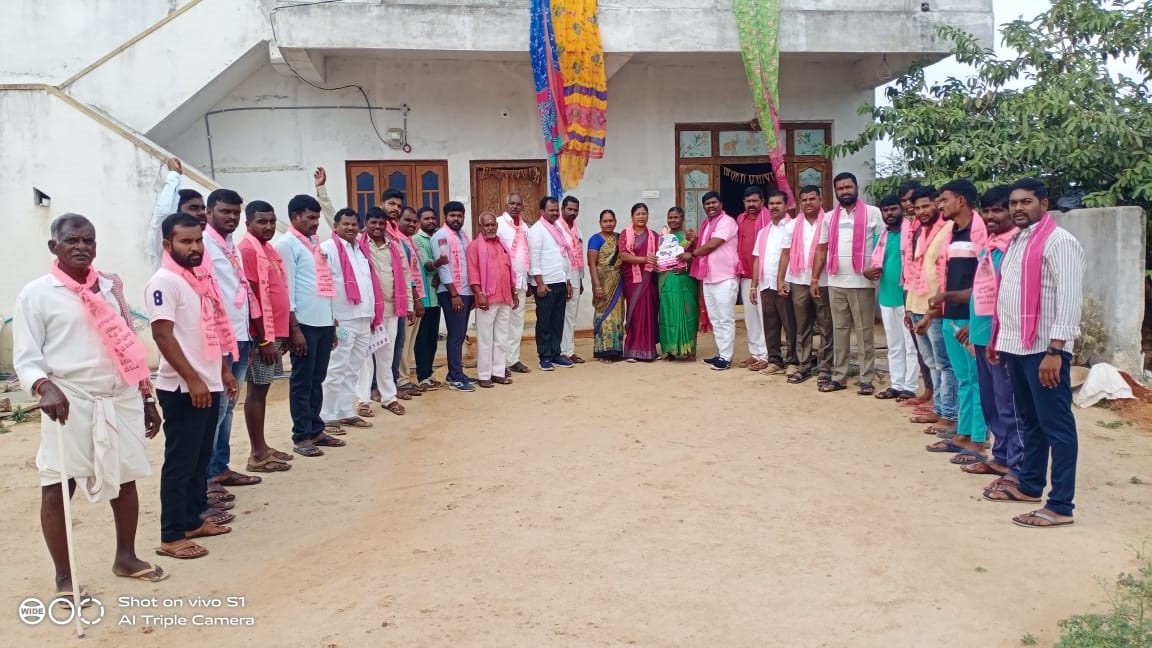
{"x":1037,"y":319}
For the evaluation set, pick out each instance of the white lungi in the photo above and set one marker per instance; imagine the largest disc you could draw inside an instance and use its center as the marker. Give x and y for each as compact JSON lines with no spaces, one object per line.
{"x":344,"y":366}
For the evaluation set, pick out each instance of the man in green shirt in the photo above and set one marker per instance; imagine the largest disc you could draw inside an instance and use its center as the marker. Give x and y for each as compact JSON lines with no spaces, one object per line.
{"x":428,"y":335}
{"x":887,"y":266}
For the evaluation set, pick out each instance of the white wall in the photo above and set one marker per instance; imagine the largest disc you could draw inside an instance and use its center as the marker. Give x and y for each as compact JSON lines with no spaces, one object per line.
{"x":46,"y":41}
{"x":456,"y":108}
{"x":86,"y":169}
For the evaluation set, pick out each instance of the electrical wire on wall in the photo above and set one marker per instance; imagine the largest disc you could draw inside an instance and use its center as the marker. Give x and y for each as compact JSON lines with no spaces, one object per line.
{"x":359,"y":88}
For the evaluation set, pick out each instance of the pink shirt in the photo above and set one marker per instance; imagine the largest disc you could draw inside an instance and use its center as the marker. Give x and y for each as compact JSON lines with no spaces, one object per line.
{"x":277,"y":283}
{"x":169,"y":297}
{"x":499,"y":270}
{"x":724,"y":259}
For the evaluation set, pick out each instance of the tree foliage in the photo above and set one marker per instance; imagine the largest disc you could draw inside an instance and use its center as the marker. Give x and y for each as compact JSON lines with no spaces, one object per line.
{"x":1052,"y":109}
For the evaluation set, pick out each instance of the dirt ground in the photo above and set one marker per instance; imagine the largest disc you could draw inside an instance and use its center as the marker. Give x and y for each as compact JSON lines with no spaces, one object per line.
{"x":628,"y":505}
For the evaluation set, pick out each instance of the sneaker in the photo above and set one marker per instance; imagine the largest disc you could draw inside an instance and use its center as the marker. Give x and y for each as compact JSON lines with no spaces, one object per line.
{"x":519,"y":367}
{"x":721,"y":364}
{"x":546,"y":365}
{"x":461,"y":386}
{"x":711,"y":361}
{"x":563,"y":362}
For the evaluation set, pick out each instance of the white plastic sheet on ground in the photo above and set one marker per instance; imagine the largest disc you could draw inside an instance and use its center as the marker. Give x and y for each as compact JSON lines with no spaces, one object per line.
{"x":1104,"y":382}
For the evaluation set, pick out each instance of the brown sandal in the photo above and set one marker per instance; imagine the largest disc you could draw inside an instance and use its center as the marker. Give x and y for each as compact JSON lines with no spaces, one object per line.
{"x":396,"y":408}
{"x":208,"y":530}
{"x":279,"y":455}
{"x":182,"y":550}
{"x":267,"y":464}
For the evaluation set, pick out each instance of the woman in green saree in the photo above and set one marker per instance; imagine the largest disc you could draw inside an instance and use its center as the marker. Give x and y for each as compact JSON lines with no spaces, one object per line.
{"x":679,"y":306}
{"x":607,"y":291}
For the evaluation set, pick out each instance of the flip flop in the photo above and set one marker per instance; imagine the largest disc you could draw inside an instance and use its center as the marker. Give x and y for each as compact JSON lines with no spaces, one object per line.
{"x":798,"y":377}
{"x":308,"y":451}
{"x":982,"y":468}
{"x":207,"y":530}
{"x":832,"y":386}
{"x":268,"y":464}
{"x":70,"y":596}
{"x":233,"y":478}
{"x":329,"y":442}
{"x":151,"y":573}
{"x":355,"y":422}
{"x":865,"y":389}
{"x":967,"y":457}
{"x":1051,"y":522}
{"x":1008,"y":496}
{"x":888,"y":394}
{"x":182,"y":550}
{"x":395,"y":407}
{"x":947,"y":447}
{"x":282,"y":456}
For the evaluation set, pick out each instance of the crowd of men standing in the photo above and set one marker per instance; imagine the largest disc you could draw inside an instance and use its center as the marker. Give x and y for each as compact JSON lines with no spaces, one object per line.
{"x":984,"y":306}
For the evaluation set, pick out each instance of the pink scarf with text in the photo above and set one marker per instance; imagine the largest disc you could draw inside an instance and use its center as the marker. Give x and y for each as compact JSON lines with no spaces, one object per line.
{"x":859,"y":228}
{"x":264,"y":283}
{"x":119,"y":340}
{"x":456,"y":253}
{"x":215,"y":327}
{"x":700,"y":263}
{"x":577,"y":246}
{"x":882,"y":244}
{"x":561,"y":240}
{"x":324,"y":285}
{"x":986,"y":284}
{"x":243,"y":290}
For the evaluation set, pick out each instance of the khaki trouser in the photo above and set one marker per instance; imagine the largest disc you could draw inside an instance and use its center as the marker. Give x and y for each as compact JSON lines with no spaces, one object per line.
{"x":853,"y":309}
{"x":812,"y":314}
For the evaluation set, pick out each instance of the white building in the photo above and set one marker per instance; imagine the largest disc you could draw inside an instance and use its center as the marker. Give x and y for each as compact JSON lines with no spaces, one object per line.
{"x":95,"y":94}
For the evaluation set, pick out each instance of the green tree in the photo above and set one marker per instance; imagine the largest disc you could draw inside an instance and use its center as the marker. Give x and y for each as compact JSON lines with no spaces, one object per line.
{"x":1051,"y":109}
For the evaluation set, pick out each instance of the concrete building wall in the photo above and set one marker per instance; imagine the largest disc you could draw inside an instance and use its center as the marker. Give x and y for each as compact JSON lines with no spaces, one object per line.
{"x":1113,"y":240}
{"x":456,"y":117}
{"x":85,"y":168}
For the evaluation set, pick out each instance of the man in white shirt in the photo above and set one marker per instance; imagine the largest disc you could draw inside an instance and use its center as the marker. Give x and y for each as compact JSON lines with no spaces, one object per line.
{"x":450,"y":243}
{"x":171,"y":199}
{"x":853,"y":229}
{"x":85,"y":383}
{"x":191,"y":330}
{"x":551,"y":269}
{"x":778,"y":314}
{"x":804,"y":257}
{"x":354,"y":306}
{"x":569,"y":210}
{"x":224,"y":207}
{"x":513,"y":231}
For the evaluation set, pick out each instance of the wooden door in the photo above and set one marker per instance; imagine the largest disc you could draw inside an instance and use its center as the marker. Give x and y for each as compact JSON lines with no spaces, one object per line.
{"x":424,"y":183}
{"x":493,"y":181}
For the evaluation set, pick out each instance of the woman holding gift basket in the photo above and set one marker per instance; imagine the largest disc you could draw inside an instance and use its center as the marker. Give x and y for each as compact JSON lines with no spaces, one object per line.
{"x":638,"y":246}
{"x":679,"y":292}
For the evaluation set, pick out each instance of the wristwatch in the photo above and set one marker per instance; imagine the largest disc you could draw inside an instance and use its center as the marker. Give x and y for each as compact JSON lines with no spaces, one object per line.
{"x":1053,"y":351}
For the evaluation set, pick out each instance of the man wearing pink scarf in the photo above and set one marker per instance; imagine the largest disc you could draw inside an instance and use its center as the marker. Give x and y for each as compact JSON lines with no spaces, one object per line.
{"x":74,"y":347}
{"x":804,"y":258}
{"x":513,"y":232}
{"x":715,"y":260}
{"x":494,"y":292}
{"x":1037,"y":317}
{"x":569,"y":210}
{"x":853,"y":229}
{"x":748,"y":226}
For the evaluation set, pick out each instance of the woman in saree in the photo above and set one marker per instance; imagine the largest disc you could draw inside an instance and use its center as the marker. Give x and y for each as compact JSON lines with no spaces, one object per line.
{"x":607,"y":291}
{"x":638,"y":252}
{"x":679,"y":310}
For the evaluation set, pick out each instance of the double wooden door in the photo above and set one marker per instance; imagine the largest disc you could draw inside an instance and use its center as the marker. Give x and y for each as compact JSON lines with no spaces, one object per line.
{"x":424,"y":183}
{"x":493,"y":181}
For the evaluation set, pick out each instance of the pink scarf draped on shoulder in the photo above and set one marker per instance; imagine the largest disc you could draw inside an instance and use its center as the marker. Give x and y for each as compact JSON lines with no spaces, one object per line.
{"x":882,"y":244}
{"x":859,"y":234}
{"x":560,"y":238}
{"x":978,"y":235}
{"x":700,"y":263}
{"x":243,"y":291}
{"x":914,"y":276}
{"x":216,"y":329}
{"x":628,"y":237}
{"x":762,"y":241}
{"x":119,"y":340}
{"x":324,"y":285}
{"x":456,"y":254}
{"x":1032,"y":277}
{"x":485,"y":275}
{"x":413,"y":263}
{"x":986,"y":284}
{"x":577,"y":246}
{"x":799,"y":260}
{"x":264,"y":284}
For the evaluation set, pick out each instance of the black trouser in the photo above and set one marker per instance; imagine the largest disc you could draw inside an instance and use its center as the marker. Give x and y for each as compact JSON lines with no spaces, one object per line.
{"x":401,"y":333}
{"x":427,"y":339}
{"x":550,"y":321}
{"x":189,"y":433}
{"x":779,"y":316}
{"x":456,"y":321}
{"x":305,"y":387}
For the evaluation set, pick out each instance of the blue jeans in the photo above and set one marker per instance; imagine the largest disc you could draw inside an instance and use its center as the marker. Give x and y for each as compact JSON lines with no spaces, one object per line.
{"x":1049,"y":427}
{"x":457,"y":324}
{"x":936,"y":357}
{"x":221,"y":447}
{"x":999,"y":404}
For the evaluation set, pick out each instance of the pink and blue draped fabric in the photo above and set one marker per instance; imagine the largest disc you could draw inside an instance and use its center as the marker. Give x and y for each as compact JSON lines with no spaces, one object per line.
{"x":549,"y":88}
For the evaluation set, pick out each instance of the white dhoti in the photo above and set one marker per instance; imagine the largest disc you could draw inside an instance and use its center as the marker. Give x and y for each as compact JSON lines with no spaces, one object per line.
{"x":514,"y":335}
{"x":491,"y":335}
{"x":104,"y":443}
{"x":344,"y":368}
{"x":571,"y":310}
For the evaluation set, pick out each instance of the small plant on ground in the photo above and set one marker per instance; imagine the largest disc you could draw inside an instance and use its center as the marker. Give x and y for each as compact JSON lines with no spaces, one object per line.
{"x":4,"y":428}
{"x":1129,"y":622}
{"x":20,"y":415}
{"x":1093,"y":336}
{"x":1028,"y":640}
